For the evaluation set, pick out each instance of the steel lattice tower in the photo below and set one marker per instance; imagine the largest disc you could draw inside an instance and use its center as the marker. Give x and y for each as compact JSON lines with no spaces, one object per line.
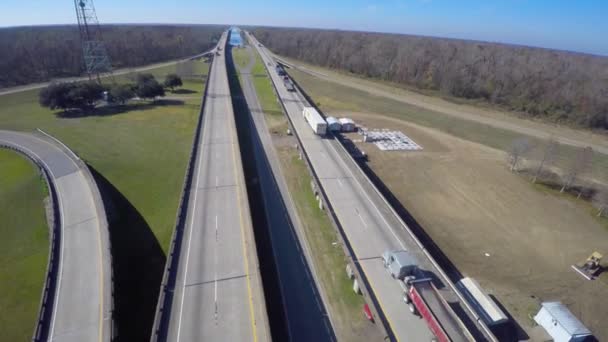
{"x":96,"y":59}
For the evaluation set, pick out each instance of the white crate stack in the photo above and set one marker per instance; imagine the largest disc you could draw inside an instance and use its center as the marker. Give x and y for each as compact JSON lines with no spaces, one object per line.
{"x":387,"y":140}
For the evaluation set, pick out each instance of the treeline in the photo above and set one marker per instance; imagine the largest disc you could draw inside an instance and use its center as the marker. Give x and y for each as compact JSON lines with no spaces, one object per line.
{"x":555,"y":85}
{"x":42,"y":53}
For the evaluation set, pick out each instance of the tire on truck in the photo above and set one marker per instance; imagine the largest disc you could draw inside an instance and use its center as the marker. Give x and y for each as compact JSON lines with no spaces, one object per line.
{"x":413,"y":309}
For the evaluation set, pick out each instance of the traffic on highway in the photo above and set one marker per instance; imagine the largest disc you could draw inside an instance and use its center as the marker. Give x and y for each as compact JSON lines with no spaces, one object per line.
{"x":369,"y":223}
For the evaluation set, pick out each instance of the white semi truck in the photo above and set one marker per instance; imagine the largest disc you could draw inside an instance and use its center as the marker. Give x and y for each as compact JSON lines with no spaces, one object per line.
{"x":315,"y":120}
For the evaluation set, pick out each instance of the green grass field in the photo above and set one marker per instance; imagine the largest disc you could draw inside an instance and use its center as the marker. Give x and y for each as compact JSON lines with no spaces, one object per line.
{"x":139,"y":153}
{"x":336,"y":97}
{"x":24,"y":245}
{"x":241,"y":57}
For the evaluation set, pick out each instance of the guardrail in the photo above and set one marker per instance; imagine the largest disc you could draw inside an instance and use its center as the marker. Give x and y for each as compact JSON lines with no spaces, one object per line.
{"x":340,"y":139}
{"x":163,"y":306}
{"x":103,"y":225}
{"x":358,"y":272}
{"x":45,"y":310}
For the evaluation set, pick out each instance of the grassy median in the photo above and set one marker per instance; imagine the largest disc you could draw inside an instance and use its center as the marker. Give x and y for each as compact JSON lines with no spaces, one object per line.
{"x":24,"y":245}
{"x":138,"y":154}
{"x":328,"y":256}
{"x":327,"y":253}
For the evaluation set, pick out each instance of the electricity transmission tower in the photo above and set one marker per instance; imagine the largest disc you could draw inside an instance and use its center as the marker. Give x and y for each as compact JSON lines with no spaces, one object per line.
{"x":96,"y":59}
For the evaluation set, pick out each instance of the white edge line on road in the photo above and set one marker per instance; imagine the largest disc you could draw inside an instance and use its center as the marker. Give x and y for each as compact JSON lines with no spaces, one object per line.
{"x":191,"y":225}
{"x":60,"y":143}
{"x":61,"y":217}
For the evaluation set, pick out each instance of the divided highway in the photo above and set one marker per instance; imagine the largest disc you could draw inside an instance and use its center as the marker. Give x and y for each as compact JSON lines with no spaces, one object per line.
{"x":80,"y":303}
{"x":369,"y":223}
{"x":306,"y":316}
{"x":218,"y":294}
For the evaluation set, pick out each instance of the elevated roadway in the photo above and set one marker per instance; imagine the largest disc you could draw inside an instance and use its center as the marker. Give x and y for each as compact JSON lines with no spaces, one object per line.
{"x":302,"y":299}
{"x":218,"y":294}
{"x":370,"y":224}
{"x":80,"y":304}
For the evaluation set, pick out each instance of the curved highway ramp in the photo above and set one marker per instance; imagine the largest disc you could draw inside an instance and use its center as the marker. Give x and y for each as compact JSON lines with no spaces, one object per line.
{"x":77,"y":301}
{"x":213,"y":291}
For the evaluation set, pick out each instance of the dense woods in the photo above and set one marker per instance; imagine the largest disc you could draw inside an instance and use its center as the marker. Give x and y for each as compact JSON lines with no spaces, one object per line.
{"x":555,"y":85}
{"x":41,"y":53}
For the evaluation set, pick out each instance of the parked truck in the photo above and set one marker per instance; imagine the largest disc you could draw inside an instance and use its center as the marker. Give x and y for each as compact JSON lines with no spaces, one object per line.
{"x":423,"y":298}
{"x":315,"y":120}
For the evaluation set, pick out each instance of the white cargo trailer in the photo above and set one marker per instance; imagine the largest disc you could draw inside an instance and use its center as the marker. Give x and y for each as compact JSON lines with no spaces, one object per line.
{"x":487,"y":309}
{"x":348,"y":125}
{"x":333,"y":124}
{"x":315,"y":120}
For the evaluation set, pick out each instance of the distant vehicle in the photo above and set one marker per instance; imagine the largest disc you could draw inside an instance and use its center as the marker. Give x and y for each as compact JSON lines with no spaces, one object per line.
{"x":280,"y":70}
{"x":348,"y":125}
{"x":288,"y":84}
{"x":217,"y":53}
{"x":423,"y":298}
{"x":333,"y":124}
{"x":260,"y":45}
{"x":315,"y":120}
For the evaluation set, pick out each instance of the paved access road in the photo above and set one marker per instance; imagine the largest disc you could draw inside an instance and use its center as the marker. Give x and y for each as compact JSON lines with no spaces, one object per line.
{"x":82,"y":304}
{"x":17,"y":89}
{"x":368,"y":221}
{"x":218,"y":294}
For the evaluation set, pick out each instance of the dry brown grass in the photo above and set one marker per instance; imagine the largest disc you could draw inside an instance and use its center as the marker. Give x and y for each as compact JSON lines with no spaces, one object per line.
{"x":470,"y":204}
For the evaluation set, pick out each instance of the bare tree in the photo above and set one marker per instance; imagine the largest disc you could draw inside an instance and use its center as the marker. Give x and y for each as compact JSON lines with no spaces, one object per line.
{"x":542,"y":83}
{"x":581,"y":165}
{"x":548,"y":157}
{"x":600,"y":200}
{"x":519,"y":148}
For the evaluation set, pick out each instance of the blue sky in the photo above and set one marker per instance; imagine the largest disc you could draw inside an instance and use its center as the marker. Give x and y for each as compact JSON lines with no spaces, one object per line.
{"x":577,"y":25}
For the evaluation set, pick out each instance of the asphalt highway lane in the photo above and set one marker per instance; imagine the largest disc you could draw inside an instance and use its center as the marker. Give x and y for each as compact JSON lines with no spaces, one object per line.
{"x":82,"y":305}
{"x":216,"y":297}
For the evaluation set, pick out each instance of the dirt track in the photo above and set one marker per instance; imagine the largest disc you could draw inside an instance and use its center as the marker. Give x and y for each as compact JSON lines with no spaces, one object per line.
{"x":470,"y":204}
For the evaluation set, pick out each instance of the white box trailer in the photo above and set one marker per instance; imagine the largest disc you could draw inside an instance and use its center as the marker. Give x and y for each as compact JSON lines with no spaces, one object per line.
{"x":487,"y":309}
{"x":333,"y":124}
{"x":348,"y":125}
{"x":315,"y":120}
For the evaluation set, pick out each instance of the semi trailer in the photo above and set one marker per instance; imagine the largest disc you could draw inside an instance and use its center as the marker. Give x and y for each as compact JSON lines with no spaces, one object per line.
{"x":424,"y":299}
{"x":315,"y":120}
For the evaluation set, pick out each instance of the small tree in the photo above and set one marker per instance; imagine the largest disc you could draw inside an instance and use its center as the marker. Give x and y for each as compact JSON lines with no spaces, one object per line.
{"x":55,"y":96}
{"x":70,"y":95}
{"x":600,"y":200}
{"x":580,"y":165}
{"x":172,"y":81}
{"x":148,"y":87}
{"x":84,"y":95}
{"x":519,"y":147}
{"x":121,"y":93}
{"x":548,"y":157}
